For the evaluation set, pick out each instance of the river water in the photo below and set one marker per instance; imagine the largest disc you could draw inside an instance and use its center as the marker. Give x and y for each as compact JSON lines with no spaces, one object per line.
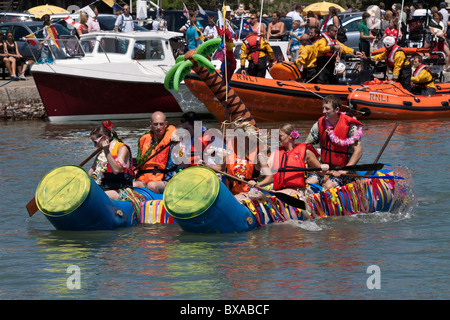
{"x":378,"y":256}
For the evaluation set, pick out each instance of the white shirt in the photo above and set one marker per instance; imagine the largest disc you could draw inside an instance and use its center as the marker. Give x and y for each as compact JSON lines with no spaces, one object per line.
{"x":445,"y":17}
{"x":210,"y":30}
{"x":125,"y":22}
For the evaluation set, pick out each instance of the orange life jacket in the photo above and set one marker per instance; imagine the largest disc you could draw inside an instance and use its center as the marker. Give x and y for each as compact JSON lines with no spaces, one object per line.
{"x":196,"y":155}
{"x":244,"y":170}
{"x":253,"y":44}
{"x":293,"y":159}
{"x":121,"y":180}
{"x":159,"y":162}
{"x":331,"y":153}
{"x":330,"y":42}
{"x":391,"y":55}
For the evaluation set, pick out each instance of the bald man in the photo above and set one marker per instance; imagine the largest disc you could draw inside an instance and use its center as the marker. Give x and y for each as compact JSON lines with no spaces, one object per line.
{"x":154,"y":155}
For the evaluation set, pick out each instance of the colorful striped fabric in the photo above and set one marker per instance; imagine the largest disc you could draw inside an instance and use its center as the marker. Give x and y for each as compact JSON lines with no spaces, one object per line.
{"x":360,"y":196}
{"x":153,"y":211}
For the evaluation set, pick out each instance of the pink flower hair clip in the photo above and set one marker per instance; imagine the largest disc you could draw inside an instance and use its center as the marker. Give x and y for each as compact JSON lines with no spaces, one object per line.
{"x":294,"y":134}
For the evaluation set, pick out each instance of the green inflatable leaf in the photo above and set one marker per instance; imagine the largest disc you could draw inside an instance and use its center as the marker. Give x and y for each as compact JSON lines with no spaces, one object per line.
{"x":208,"y":47}
{"x":204,"y":62}
{"x":179,"y":59}
{"x":182,"y":71}
{"x":169,"y":79}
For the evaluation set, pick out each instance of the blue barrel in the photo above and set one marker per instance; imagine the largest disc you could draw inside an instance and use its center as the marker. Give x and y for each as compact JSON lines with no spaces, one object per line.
{"x":72,"y":200}
{"x":148,"y":194}
{"x":200,"y":203}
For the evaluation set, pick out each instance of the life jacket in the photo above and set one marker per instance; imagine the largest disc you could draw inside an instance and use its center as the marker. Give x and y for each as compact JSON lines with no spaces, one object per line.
{"x":391,"y":55}
{"x":293,"y":159}
{"x":253,"y":43}
{"x":244,"y":171}
{"x":417,"y":72}
{"x":325,"y":22}
{"x":330,"y":42}
{"x":155,"y":168}
{"x":331,"y":153}
{"x":121,"y":180}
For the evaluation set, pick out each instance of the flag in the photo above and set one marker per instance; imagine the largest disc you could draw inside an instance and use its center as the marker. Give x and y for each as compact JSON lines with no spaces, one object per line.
{"x":89,"y":11}
{"x":246,"y":27}
{"x":185,"y":11}
{"x":30,"y":38}
{"x":109,"y":2}
{"x":51,"y":31}
{"x":116,"y":7}
{"x":73,"y":23}
{"x":202,"y":12}
{"x":224,"y":13}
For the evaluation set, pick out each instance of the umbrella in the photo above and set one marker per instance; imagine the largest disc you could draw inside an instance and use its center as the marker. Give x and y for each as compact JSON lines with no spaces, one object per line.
{"x":39,"y":11}
{"x":322,"y":8}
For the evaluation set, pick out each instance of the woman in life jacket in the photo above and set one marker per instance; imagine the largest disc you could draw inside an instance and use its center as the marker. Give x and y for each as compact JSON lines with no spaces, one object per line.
{"x":112,"y":168}
{"x":292,"y":155}
{"x":246,"y":158}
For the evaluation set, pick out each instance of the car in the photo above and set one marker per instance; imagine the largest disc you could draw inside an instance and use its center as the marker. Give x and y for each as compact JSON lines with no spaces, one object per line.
{"x":22,"y":29}
{"x":15,"y":17}
{"x":106,"y":21}
{"x":350,"y":25}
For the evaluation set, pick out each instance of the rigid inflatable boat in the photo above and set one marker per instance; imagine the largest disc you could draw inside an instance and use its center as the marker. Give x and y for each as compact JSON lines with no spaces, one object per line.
{"x":393,"y":102}
{"x":281,"y":98}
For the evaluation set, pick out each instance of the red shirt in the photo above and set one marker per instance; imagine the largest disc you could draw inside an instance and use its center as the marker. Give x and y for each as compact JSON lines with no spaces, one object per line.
{"x":392,"y":33}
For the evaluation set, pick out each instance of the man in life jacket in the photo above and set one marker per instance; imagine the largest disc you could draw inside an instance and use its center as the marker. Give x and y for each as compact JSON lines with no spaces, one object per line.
{"x":154,"y":158}
{"x":339,"y":137}
{"x":328,"y":49}
{"x":307,"y":59}
{"x":396,"y":59}
{"x":258,"y":52}
{"x":422,"y":78}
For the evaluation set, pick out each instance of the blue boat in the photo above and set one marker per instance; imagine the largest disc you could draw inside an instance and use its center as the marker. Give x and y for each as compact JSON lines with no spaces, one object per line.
{"x":199,"y":202}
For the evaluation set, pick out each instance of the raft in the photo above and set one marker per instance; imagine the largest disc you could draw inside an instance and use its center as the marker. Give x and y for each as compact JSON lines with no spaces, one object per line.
{"x":393,"y":102}
{"x":200,"y":203}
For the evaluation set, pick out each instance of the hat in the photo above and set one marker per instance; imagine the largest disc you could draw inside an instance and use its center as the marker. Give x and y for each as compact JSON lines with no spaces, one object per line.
{"x":443,"y":4}
{"x":227,"y":9}
{"x":389,"y":42}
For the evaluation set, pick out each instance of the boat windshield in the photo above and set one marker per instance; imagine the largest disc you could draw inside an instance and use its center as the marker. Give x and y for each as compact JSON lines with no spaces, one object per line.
{"x":151,"y":49}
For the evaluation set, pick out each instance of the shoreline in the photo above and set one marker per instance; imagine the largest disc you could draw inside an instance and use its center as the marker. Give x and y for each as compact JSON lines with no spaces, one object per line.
{"x":20,"y":100}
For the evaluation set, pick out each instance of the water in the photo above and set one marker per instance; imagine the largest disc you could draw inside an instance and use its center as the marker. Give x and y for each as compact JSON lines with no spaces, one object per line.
{"x":327,"y":259}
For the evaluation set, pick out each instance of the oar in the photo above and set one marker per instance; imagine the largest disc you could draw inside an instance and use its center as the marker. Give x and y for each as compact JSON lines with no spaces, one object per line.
{"x":155,"y":154}
{"x":293,"y":202}
{"x":32,"y":206}
{"x":386,"y":143}
{"x":356,"y":167}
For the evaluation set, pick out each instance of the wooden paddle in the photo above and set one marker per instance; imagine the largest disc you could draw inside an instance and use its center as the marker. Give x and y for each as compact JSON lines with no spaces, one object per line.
{"x":293,"y":202}
{"x":386,"y":143}
{"x":32,"y":206}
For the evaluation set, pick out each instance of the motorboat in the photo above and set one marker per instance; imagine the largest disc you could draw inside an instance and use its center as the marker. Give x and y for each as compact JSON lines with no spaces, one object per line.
{"x":110,"y":75}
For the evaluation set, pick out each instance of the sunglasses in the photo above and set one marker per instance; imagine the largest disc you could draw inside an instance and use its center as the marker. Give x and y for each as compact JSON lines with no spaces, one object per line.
{"x":97,"y":140}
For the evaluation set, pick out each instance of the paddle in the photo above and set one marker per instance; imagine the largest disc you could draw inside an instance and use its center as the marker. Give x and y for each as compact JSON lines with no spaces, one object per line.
{"x":368,"y":176}
{"x":293,"y":202}
{"x":386,"y":143}
{"x":356,"y":167}
{"x":155,"y":154}
{"x":32,"y":206}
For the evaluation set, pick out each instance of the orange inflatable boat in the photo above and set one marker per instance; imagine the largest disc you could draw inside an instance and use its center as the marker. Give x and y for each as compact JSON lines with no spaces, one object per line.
{"x":390,"y":101}
{"x":275,"y":100}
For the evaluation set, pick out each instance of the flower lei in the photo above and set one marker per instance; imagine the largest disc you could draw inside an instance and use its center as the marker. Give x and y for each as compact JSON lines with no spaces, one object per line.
{"x":294,"y":134}
{"x":141,"y":158}
{"x":342,"y":142}
{"x":102,"y":164}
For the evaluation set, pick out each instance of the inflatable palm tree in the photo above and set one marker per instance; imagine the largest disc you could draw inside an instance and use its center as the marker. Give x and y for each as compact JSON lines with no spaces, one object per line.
{"x":197,"y":60}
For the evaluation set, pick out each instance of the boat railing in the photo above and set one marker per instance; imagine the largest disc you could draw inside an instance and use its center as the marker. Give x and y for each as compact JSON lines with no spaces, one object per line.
{"x":66,"y":47}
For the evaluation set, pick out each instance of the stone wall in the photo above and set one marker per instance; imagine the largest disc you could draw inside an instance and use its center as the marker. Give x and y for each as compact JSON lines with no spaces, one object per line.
{"x":21,"y":103}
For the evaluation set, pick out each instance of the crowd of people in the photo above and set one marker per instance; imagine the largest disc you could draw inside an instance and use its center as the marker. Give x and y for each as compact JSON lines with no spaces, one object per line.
{"x":164,"y":150}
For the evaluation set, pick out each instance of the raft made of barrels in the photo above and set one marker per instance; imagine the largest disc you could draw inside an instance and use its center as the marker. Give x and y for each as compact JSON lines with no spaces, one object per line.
{"x":199,"y":202}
